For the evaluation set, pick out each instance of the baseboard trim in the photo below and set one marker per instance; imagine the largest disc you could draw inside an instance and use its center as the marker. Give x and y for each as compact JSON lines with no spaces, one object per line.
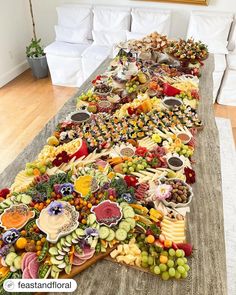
{"x":13,"y":73}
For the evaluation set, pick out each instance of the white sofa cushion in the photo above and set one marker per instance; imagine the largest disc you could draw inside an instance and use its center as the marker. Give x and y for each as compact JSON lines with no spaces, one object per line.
{"x":231,"y":61}
{"x":220,"y":62}
{"x":136,"y":36}
{"x":111,"y":18}
{"x":78,"y":35}
{"x":92,"y":57}
{"x":227,"y":95}
{"x":106,"y":38}
{"x":211,"y":28}
{"x":148,"y":20}
{"x":66,"y":49}
{"x":97,"y":52}
{"x":232,"y":38}
{"x":75,"y":16}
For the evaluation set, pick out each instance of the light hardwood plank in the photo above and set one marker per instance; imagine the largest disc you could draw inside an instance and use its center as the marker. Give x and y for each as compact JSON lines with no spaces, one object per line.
{"x":26,"y":105}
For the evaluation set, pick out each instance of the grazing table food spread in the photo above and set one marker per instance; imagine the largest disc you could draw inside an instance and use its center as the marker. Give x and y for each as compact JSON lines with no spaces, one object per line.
{"x":116,"y":175}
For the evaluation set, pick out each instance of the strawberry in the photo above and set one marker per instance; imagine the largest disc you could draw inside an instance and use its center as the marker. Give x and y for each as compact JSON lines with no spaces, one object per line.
{"x":187,"y":248}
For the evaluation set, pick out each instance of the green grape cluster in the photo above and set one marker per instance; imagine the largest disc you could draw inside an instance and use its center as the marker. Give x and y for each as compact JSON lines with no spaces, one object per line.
{"x":183,"y":95}
{"x":184,"y":150}
{"x":175,"y":266}
{"x":132,"y":86}
{"x":88,"y":96}
{"x":134,"y":165}
{"x":30,"y":168}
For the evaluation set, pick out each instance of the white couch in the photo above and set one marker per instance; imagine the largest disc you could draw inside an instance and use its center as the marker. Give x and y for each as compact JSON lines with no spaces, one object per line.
{"x":227,"y":94}
{"x":85,"y":37}
{"x":212,"y":28}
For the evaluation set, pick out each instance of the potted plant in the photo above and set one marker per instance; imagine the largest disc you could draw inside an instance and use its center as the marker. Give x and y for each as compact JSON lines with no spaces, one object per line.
{"x":35,"y":54}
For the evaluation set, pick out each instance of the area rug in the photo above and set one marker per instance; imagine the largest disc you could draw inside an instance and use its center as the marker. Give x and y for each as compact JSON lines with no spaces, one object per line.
{"x":228,"y":171}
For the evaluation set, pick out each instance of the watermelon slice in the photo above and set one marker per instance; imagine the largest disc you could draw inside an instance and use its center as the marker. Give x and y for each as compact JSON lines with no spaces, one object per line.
{"x":29,"y":258}
{"x":77,"y":261}
{"x":87,"y":253}
{"x":26,"y":258}
{"x":26,"y":274}
{"x":33,"y":268}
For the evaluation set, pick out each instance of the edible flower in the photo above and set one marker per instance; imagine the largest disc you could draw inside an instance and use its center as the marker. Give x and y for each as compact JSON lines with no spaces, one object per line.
{"x":190,"y":175}
{"x":4,"y":192}
{"x":61,"y":158}
{"x":163,"y":191}
{"x":5,"y":250}
{"x":11,"y":236}
{"x":55,"y":208}
{"x":66,"y":189}
{"x":141,"y":151}
{"x":128,"y":198}
{"x":91,"y":232}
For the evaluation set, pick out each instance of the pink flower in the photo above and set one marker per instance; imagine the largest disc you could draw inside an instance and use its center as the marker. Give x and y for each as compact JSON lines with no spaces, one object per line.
{"x":163,"y":191}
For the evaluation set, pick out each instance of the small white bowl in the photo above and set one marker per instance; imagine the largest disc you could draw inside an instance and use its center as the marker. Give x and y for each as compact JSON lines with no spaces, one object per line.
{"x":173,"y":167}
{"x":179,"y":205}
{"x":173,"y":98}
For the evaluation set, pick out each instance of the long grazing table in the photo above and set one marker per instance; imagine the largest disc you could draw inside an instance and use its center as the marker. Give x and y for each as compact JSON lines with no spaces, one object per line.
{"x":205,"y":223}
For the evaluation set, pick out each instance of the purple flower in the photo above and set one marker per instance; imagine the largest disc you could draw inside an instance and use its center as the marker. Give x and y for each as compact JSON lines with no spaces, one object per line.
{"x":55,"y":208}
{"x":91,"y":232}
{"x":127,"y":197}
{"x":5,"y":250}
{"x":66,"y":189}
{"x":11,"y":236}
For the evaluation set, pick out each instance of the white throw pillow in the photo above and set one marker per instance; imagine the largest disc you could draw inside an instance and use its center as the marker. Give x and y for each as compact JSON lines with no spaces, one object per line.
{"x":136,"y":36}
{"x":147,"y":20}
{"x":75,"y":35}
{"x":211,"y":28}
{"x":111,"y":18}
{"x":75,"y":16}
{"x":107,"y":38}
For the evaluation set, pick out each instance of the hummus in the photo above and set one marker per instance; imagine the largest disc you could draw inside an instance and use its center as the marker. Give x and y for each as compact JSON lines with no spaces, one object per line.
{"x":56,"y":226}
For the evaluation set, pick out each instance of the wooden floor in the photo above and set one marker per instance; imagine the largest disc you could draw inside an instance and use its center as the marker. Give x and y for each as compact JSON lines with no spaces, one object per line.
{"x":26,"y":105}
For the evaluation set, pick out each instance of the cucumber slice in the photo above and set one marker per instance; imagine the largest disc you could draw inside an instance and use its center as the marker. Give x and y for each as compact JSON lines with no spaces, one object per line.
{"x":8,"y":202}
{"x":131,"y":222}
{"x":26,"y":199}
{"x":128,"y":212}
{"x":59,"y":246}
{"x":74,"y":235}
{"x":53,"y":251}
{"x":54,"y":261}
{"x":67,"y":244}
{"x":62,"y":265}
{"x":104,"y":232}
{"x":79,"y":232}
{"x":123,"y":204}
{"x":10,"y":258}
{"x":17,"y":262}
{"x":62,"y":241}
{"x":125,"y":225}
{"x":69,"y":239}
{"x":18,"y":198}
{"x":121,"y":234}
{"x":91,"y":219}
{"x":111,"y":235}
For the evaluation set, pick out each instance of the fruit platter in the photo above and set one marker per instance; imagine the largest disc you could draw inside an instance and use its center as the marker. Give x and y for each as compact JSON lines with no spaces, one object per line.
{"x":114,"y":179}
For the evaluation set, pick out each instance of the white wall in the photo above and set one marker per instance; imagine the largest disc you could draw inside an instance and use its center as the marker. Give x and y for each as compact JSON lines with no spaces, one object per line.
{"x":15,"y":34}
{"x":46,"y":18}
